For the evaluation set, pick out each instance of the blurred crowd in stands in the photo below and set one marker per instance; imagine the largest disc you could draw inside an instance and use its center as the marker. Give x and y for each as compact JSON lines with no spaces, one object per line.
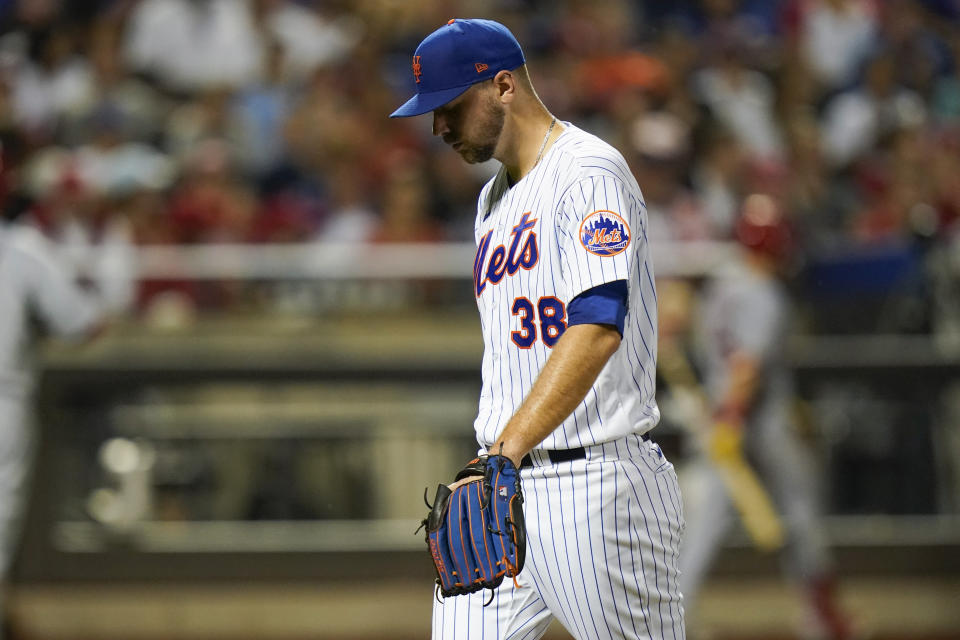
{"x":199,"y":121}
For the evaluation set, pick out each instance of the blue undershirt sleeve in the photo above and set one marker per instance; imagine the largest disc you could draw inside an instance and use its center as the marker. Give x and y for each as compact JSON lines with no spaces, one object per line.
{"x":603,"y":304}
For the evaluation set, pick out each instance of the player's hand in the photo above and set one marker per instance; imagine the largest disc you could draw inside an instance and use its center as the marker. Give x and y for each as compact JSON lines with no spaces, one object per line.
{"x":726,"y":440}
{"x":475,"y":529}
{"x":475,"y":470}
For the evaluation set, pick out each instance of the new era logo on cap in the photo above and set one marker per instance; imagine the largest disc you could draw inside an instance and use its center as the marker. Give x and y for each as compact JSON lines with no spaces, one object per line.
{"x":446,"y":62}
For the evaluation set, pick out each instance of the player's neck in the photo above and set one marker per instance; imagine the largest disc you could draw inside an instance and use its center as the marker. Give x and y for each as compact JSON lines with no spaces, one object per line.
{"x":760,"y":264}
{"x":527,"y":141}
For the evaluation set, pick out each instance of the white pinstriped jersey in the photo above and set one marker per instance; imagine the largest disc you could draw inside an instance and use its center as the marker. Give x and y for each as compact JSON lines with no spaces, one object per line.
{"x":575,"y":221}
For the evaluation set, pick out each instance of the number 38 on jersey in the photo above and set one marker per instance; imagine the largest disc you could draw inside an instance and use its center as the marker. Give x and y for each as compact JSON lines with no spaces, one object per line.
{"x":544,"y":318}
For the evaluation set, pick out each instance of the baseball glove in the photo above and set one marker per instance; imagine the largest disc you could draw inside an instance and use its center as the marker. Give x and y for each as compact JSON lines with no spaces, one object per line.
{"x":475,"y":532}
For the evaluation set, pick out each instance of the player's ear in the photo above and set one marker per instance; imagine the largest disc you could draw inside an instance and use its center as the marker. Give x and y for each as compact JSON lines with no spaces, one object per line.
{"x":505,"y":84}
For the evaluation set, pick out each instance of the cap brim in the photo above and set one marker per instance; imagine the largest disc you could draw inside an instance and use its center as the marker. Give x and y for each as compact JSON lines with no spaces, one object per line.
{"x":425,"y":102}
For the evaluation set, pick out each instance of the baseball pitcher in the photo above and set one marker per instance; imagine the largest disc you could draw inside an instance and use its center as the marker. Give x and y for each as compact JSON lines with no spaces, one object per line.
{"x":571,"y":512}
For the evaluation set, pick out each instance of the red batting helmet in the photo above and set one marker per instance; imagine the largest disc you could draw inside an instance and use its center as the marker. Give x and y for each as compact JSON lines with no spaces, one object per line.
{"x":762,"y":227}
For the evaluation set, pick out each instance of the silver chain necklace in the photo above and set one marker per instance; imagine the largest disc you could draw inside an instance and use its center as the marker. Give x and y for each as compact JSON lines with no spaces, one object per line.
{"x":544,"y":145}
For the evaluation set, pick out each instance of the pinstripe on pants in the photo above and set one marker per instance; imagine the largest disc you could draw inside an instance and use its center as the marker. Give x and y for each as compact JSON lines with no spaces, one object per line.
{"x":602,"y":554}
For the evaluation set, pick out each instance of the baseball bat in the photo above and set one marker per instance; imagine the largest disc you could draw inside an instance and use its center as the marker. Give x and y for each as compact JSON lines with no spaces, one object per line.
{"x":751,"y":500}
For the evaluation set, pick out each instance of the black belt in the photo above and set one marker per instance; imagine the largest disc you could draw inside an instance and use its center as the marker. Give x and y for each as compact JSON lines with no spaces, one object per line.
{"x":565,"y":455}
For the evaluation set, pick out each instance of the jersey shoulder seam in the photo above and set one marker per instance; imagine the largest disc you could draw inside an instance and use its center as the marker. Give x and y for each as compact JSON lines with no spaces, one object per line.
{"x":604,"y":151}
{"x":581,"y":176}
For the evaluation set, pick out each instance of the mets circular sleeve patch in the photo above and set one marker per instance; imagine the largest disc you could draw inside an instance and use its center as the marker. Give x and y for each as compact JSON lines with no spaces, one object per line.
{"x":604,"y":233}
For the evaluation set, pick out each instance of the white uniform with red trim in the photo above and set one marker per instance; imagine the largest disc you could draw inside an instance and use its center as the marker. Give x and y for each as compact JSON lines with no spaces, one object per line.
{"x":747,"y":313}
{"x":603,"y":531}
{"x":36,"y":282}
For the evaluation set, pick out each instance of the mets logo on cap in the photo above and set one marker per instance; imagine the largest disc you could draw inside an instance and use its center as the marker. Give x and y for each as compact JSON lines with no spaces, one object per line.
{"x":417,"y":70}
{"x":604,"y":233}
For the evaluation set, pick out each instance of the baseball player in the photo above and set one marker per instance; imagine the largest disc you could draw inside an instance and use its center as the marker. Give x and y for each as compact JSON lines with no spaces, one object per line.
{"x":744,"y":320}
{"x":36,"y":282}
{"x":565,"y":289}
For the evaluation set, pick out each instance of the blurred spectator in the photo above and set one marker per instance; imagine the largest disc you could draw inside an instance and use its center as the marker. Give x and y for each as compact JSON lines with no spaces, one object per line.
{"x":259,"y":112}
{"x":897,"y":188}
{"x":833,"y":36}
{"x":194,"y":44}
{"x":326,"y":128}
{"x":661,"y":142}
{"x":51,"y":80}
{"x":910,"y":31}
{"x":740,"y":98}
{"x":146,"y":209}
{"x":211,"y":204}
{"x":856,"y":120}
{"x":112,"y":164}
{"x":698,"y":17}
{"x":454,"y":186}
{"x":595,"y":28}
{"x":308,"y":35}
{"x":716,"y":177}
{"x":945,"y":98}
{"x":943,"y":167}
{"x":603,"y":79}
{"x":810,"y":196}
{"x":797,"y":91}
{"x":406,"y":208}
{"x":680,"y":55}
{"x":204,"y":116}
{"x":352,"y":217}
{"x":139,"y":106}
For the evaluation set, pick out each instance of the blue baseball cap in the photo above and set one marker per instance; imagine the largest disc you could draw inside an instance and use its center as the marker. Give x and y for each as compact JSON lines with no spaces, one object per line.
{"x":455,"y":57}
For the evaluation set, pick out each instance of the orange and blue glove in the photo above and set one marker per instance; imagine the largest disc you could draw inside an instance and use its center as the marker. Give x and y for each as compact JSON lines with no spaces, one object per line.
{"x":475,"y":531}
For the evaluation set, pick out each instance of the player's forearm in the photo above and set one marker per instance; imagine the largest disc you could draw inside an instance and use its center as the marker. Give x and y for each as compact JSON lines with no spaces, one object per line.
{"x":570,"y":371}
{"x":743,"y":380}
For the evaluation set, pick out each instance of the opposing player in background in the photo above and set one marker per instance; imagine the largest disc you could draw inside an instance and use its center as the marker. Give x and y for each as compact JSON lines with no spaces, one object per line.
{"x":565,"y":288}
{"x":38,"y":283}
{"x":744,"y":319}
